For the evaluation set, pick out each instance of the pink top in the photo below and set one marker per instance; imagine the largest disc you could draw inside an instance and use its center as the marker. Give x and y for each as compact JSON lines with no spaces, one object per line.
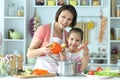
{"x":43,"y":33}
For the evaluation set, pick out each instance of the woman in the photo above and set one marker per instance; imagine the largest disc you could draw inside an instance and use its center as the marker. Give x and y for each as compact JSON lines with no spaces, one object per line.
{"x":55,"y":32}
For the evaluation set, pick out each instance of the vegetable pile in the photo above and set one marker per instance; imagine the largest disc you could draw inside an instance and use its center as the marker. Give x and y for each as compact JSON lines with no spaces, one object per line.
{"x":39,"y":72}
{"x":102,"y":72}
{"x":28,"y":72}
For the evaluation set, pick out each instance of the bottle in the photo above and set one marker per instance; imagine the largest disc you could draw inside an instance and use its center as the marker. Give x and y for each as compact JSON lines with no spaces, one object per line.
{"x":13,"y":65}
{"x":19,"y":63}
{"x":20,"y":11}
{"x":11,"y":10}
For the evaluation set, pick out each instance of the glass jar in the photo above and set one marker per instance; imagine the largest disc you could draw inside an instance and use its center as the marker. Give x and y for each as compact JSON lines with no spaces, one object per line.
{"x":118,"y":10}
{"x":84,"y":2}
{"x":51,"y":2}
{"x":20,"y":11}
{"x":11,"y":9}
{"x":117,"y":33}
{"x":73,"y":2}
{"x":96,"y":3}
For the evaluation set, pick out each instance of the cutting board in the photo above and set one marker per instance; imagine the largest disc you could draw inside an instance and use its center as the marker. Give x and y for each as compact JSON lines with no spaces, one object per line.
{"x":35,"y":76}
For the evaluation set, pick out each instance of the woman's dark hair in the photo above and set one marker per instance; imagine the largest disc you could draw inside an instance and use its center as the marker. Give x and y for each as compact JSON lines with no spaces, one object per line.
{"x":76,"y":30}
{"x":69,"y":8}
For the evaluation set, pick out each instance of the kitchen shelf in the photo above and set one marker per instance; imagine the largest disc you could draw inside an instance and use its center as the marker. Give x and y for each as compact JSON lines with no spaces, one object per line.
{"x":114,"y":23}
{"x":115,"y":18}
{"x":78,"y":4}
{"x":15,"y":17}
{"x":14,"y":40}
{"x":18,"y":23}
{"x":92,"y":64}
{"x":115,"y":41}
{"x":98,"y":58}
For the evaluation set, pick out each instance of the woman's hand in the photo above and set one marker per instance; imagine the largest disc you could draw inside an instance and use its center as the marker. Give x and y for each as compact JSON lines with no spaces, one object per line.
{"x":44,"y":50}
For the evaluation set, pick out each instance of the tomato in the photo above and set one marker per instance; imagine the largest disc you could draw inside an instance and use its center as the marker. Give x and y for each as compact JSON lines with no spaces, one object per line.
{"x":99,"y":69}
{"x":91,"y":72}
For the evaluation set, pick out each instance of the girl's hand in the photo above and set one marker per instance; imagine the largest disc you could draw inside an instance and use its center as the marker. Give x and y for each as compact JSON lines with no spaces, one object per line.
{"x":63,"y":55}
{"x":86,"y":50}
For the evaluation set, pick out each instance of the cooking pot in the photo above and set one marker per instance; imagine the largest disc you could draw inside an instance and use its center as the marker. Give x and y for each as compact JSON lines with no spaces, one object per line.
{"x":68,"y":68}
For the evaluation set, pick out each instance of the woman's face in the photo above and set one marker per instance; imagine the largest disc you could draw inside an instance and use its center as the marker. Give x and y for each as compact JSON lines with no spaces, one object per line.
{"x":74,"y":41}
{"x":65,"y":19}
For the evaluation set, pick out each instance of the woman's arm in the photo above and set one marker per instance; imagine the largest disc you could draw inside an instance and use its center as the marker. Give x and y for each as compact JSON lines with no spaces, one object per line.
{"x":34,"y":49}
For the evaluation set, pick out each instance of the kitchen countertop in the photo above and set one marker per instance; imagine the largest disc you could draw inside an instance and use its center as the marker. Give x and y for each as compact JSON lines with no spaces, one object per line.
{"x":80,"y":77}
{"x":59,"y":78}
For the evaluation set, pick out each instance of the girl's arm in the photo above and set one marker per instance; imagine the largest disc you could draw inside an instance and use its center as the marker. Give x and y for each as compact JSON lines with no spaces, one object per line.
{"x":85,"y":58}
{"x":81,"y":47}
{"x":85,"y":61}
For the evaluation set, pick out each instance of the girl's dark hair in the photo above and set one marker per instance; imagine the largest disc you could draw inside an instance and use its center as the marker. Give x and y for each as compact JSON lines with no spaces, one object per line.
{"x":76,"y":30}
{"x":69,"y":8}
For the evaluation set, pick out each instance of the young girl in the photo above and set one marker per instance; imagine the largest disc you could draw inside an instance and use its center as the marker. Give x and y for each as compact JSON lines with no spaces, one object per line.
{"x":75,"y":51}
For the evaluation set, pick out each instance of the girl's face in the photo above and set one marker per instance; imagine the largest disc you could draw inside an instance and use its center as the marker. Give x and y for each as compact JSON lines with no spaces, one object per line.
{"x":65,"y":19}
{"x":74,"y":41}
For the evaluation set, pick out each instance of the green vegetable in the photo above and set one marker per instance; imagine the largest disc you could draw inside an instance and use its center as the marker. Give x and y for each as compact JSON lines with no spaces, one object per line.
{"x":106,"y":72}
{"x":86,"y":71}
{"x":28,"y":71}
